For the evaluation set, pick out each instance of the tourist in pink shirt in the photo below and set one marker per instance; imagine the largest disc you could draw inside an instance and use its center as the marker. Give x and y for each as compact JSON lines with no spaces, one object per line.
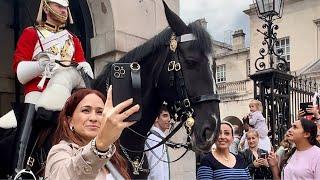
{"x":303,"y":162}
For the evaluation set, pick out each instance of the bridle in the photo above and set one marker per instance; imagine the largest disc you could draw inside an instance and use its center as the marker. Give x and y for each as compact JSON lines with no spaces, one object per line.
{"x":181,"y":109}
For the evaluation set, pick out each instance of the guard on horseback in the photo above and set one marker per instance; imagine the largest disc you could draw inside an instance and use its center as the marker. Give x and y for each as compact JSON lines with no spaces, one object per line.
{"x":46,"y":61}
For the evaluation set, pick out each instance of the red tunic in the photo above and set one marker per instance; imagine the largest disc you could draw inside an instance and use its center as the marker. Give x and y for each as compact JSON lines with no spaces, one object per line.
{"x":24,"y":51}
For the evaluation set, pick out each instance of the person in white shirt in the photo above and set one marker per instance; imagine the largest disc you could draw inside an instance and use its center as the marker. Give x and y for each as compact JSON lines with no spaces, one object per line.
{"x":158,"y":157}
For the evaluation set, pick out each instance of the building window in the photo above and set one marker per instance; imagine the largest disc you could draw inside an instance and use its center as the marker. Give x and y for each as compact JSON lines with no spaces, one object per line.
{"x":248,"y":67}
{"x":221,"y":73}
{"x":284,"y":44}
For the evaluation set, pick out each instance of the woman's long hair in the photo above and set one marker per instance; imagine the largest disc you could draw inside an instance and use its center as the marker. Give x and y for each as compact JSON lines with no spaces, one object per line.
{"x":308,"y":127}
{"x":63,"y":131}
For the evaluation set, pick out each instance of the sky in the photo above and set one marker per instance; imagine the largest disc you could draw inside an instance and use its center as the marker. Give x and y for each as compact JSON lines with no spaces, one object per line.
{"x":223,"y":16}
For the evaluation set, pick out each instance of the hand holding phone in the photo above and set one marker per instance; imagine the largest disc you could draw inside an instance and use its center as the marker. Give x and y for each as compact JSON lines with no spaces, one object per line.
{"x":263,"y":155}
{"x":305,"y":107}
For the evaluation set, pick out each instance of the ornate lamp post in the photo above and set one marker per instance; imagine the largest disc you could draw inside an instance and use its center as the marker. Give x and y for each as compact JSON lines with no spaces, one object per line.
{"x":272,"y":78}
{"x":268,"y":11}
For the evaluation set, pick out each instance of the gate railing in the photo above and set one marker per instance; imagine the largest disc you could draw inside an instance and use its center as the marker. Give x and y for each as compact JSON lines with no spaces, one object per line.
{"x":302,"y":90}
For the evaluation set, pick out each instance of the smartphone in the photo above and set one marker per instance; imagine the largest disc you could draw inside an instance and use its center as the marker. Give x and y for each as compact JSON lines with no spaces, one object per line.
{"x":304,"y":107}
{"x":263,"y":155}
{"x":122,"y":77}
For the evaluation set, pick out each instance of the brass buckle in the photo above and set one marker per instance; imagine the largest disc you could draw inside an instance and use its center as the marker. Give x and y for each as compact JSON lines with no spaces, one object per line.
{"x":171,"y":65}
{"x":186,"y":103}
{"x":177,"y":67}
{"x":135,"y":66}
{"x":30,"y":161}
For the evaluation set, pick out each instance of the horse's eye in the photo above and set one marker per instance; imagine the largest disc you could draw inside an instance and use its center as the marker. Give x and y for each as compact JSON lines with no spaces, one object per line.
{"x":192,"y":63}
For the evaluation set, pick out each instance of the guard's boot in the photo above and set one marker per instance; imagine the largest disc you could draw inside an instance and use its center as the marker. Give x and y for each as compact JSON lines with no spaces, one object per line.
{"x":23,"y":137}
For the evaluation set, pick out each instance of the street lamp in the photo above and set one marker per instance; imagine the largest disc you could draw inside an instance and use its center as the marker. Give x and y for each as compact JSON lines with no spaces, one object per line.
{"x":268,"y":11}
{"x":271,"y":81}
{"x":269,"y":8}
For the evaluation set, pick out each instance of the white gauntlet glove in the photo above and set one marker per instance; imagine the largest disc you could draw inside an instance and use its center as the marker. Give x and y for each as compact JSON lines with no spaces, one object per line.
{"x":86,"y":68}
{"x":44,"y":61}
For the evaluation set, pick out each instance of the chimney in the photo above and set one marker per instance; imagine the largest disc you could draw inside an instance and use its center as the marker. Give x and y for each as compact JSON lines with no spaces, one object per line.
{"x":238,"y":39}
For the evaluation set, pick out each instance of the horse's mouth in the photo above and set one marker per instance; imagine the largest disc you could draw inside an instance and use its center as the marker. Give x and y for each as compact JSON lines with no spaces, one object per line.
{"x":203,"y":146}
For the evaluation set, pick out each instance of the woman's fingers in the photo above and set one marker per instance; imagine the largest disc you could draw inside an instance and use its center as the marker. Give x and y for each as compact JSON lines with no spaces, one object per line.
{"x":109,"y":98}
{"x":120,"y":107}
{"x":130,"y":111}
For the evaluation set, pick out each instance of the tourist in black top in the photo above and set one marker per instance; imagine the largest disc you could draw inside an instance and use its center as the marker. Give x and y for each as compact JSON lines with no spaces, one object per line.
{"x":220,"y":163}
{"x":256,"y":159}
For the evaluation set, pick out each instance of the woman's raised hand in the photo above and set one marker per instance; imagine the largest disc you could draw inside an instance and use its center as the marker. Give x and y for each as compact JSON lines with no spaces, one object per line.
{"x":113,"y":118}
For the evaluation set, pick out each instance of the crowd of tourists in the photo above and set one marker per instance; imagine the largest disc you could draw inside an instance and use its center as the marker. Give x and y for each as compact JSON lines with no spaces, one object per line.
{"x":252,"y":155}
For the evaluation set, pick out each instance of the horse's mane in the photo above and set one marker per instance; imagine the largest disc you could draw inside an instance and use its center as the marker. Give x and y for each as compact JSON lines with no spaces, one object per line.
{"x":203,"y":43}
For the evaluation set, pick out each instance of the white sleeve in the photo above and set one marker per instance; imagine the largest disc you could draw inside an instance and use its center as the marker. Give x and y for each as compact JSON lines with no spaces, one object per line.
{"x":153,"y":161}
{"x":253,"y":119}
{"x":28,"y":70}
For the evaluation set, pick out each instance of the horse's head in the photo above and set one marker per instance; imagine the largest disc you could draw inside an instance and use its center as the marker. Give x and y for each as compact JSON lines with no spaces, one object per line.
{"x":193,"y":53}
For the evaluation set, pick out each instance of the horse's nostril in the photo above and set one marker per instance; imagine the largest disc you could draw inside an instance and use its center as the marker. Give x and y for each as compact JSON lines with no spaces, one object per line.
{"x":207,"y":134}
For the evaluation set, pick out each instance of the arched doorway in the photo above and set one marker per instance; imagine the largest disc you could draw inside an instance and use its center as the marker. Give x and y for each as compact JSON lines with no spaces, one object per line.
{"x":15,"y":16}
{"x":235,"y":121}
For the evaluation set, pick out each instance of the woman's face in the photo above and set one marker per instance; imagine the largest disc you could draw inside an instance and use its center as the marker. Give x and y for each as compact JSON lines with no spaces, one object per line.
{"x":87,"y":117}
{"x":296,"y":132}
{"x":225,"y":137}
{"x":252,"y":139}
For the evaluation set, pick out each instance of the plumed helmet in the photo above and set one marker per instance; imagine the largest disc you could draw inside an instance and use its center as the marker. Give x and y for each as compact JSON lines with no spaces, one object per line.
{"x":44,"y":3}
{"x":64,"y":3}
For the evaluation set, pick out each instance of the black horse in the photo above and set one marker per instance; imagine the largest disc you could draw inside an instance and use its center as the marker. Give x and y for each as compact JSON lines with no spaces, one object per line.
{"x":176,"y":68}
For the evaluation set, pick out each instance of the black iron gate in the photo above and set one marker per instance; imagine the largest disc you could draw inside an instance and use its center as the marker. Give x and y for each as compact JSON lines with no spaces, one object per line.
{"x":302,"y":90}
{"x":281,"y":95}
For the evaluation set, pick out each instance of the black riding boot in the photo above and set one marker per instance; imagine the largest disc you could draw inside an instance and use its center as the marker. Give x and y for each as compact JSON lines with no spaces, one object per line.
{"x":22,"y":138}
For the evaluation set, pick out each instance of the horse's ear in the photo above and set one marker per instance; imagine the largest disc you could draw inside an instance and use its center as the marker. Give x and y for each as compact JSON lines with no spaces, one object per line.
{"x":174,"y":21}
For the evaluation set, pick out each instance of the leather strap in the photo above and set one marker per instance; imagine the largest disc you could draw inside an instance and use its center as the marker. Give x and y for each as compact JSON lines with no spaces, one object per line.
{"x":207,"y":97}
{"x":136,"y":84}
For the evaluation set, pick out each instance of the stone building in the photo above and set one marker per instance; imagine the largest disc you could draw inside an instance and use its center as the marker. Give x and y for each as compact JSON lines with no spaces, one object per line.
{"x":232,"y":70}
{"x":298,"y":34}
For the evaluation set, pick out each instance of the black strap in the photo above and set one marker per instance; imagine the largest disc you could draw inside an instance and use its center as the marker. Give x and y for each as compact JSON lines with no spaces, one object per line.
{"x":207,"y":97}
{"x":169,"y":143}
{"x":136,"y":83}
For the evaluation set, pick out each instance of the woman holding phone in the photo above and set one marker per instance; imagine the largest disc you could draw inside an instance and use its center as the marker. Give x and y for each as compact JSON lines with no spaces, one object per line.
{"x":255,"y":158}
{"x":86,"y":138}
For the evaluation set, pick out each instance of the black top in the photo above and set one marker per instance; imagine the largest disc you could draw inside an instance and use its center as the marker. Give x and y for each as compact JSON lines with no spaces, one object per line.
{"x":261,"y":172}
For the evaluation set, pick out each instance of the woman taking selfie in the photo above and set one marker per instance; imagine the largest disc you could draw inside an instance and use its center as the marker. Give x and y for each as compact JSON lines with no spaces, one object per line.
{"x":85,"y":137}
{"x":220,"y":163}
{"x":256,"y":159}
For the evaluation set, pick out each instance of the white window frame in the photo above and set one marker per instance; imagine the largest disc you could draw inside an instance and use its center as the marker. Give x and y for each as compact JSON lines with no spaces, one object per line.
{"x":284,"y":44}
{"x":221,"y":73}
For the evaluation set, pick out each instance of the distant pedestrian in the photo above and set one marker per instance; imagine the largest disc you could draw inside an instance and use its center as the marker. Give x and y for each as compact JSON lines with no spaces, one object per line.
{"x":158,"y":157}
{"x":236,"y":140}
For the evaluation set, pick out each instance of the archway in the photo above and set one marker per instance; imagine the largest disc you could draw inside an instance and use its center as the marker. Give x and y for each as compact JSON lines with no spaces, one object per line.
{"x":235,"y":121}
